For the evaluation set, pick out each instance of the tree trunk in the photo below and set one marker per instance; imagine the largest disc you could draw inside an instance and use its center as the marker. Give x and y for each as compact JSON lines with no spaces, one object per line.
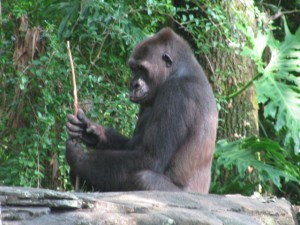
{"x":27,"y":48}
{"x":238,"y":116}
{"x":226,"y":69}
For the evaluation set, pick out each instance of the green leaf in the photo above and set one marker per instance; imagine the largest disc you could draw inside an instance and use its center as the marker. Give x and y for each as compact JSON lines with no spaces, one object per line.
{"x":279,"y":88}
{"x":272,"y":165}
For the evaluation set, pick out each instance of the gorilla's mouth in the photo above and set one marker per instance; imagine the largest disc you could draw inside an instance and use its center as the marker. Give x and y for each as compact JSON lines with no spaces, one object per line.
{"x":138,"y":99}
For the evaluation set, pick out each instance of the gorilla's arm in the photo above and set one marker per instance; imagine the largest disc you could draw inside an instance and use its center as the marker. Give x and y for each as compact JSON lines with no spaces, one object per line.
{"x":94,"y":135}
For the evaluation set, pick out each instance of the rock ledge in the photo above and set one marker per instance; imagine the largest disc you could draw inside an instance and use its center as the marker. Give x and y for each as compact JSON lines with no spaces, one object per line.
{"x":42,"y":207}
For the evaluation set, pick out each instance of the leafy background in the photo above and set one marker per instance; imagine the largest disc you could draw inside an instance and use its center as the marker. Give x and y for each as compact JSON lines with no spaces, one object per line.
{"x":36,"y":97}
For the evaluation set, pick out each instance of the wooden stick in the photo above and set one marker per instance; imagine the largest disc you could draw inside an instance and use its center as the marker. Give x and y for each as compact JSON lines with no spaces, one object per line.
{"x":75,"y":98}
{"x":73,"y":78}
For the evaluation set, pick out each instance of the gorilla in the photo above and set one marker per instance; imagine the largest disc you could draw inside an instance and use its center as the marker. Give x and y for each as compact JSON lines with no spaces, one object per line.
{"x":173,"y":142}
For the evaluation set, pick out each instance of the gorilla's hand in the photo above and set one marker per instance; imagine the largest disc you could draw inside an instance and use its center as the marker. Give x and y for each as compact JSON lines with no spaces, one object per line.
{"x":80,"y":127}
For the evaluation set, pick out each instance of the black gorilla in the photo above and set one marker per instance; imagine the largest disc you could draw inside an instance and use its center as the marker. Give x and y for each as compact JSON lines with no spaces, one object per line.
{"x":174,"y":139}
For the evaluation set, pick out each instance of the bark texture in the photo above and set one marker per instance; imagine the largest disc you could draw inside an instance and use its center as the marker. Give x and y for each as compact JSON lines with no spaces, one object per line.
{"x":229,"y":72}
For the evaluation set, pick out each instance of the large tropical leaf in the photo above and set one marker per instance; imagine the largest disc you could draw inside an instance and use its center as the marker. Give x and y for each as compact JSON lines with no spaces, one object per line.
{"x":279,"y":86}
{"x":271,"y":164}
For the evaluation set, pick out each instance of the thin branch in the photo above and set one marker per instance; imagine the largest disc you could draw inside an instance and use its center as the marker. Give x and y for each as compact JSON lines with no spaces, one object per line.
{"x":73,"y":78}
{"x":75,"y":98}
{"x":232,"y":95}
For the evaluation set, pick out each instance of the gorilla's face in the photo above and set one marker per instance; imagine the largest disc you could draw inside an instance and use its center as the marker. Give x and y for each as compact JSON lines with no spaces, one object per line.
{"x":150,"y":66}
{"x":139,"y":89}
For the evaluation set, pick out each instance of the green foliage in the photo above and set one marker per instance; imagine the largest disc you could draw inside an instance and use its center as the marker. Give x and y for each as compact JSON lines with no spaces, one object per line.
{"x":250,"y":162}
{"x":203,"y":21}
{"x":29,"y":152}
{"x":278,"y":86}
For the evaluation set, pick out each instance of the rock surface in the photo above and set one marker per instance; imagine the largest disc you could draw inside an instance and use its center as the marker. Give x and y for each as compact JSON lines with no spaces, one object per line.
{"x":42,"y":207}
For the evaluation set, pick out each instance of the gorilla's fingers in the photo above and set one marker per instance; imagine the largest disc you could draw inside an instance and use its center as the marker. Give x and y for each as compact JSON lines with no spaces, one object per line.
{"x":73,"y":128}
{"x":81,"y":116}
{"x":74,"y":131}
{"x":74,"y":134}
{"x":74,"y":120}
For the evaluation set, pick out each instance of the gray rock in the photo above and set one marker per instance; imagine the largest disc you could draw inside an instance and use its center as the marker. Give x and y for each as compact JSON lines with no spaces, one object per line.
{"x":42,"y":207}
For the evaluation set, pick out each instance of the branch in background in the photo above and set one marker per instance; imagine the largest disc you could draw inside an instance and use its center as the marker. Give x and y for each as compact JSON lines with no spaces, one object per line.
{"x":232,"y":95}
{"x":75,"y":97}
{"x":73,"y":78}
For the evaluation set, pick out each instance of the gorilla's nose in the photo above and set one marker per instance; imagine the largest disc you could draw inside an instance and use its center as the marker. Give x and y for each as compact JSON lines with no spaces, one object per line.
{"x":137,"y":84}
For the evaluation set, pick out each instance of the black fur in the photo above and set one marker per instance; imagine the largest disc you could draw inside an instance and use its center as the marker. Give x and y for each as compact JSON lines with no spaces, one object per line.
{"x":173,"y":142}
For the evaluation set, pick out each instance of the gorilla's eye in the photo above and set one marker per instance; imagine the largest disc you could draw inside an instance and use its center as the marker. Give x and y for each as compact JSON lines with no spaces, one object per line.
{"x":141,"y":69}
{"x":135,"y":66}
{"x":167,"y":58}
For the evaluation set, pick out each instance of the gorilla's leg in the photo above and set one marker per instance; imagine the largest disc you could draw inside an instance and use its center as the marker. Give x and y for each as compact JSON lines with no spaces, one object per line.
{"x":149,"y":180}
{"x":83,"y":186}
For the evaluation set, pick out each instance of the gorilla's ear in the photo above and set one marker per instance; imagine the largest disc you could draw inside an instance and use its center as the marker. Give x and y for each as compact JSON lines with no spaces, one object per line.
{"x":167,"y":58}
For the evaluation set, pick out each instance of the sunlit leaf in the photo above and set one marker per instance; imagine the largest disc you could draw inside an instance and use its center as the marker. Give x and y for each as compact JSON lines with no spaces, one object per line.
{"x":279,"y":88}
